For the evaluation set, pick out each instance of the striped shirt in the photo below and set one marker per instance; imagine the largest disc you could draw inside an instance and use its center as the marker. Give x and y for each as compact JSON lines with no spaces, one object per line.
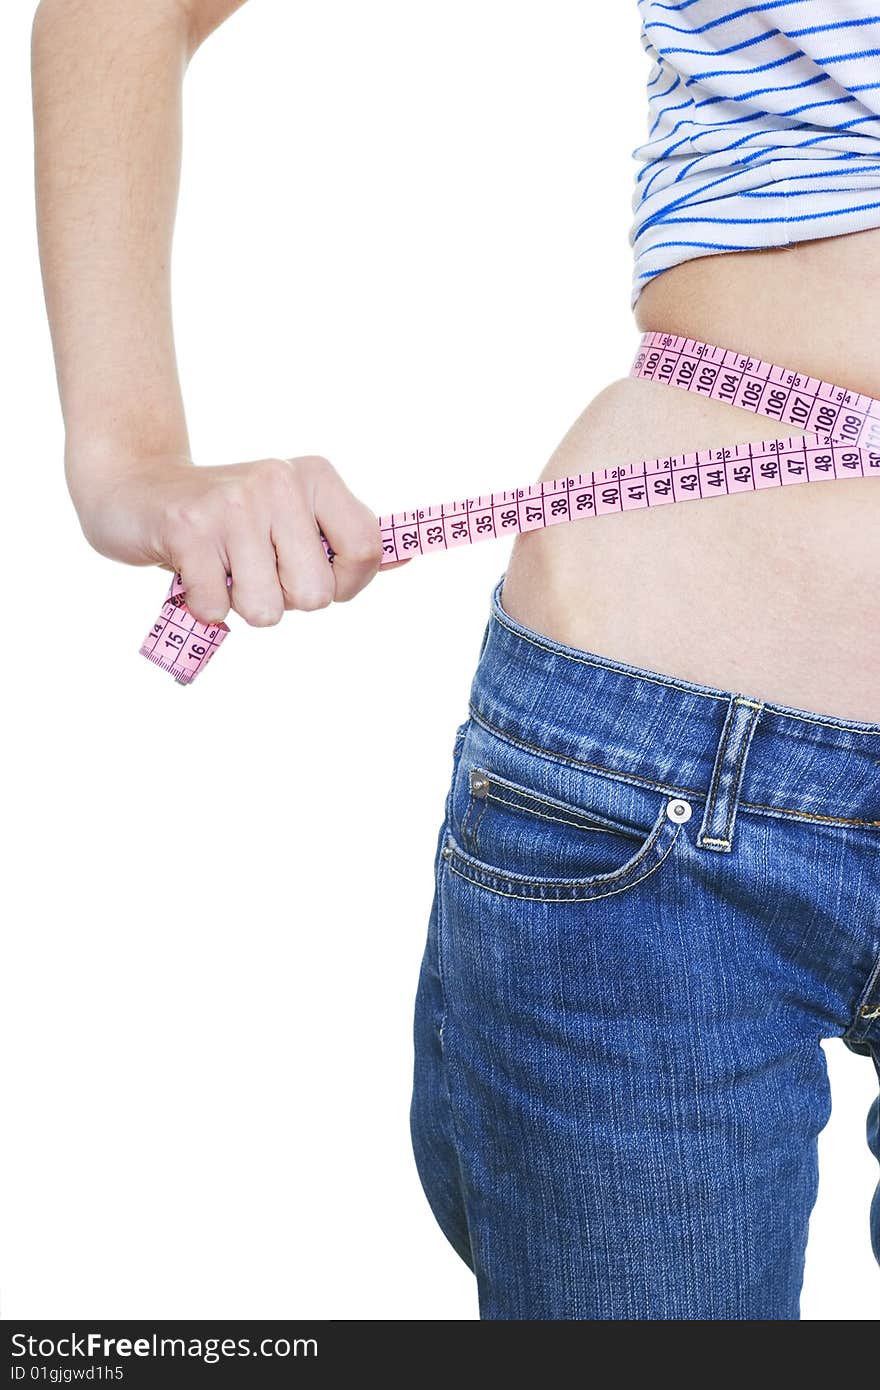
{"x":763,"y":127}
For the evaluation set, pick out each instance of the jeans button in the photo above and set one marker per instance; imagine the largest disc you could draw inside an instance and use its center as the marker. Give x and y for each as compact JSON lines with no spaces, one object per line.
{"x":678,"y":810}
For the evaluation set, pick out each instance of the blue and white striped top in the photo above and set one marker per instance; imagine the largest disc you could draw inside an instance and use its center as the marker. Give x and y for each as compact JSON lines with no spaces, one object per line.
{"x":763,"y":128}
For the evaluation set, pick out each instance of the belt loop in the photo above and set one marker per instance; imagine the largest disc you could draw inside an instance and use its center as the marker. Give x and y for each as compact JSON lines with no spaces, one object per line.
{"x":716,"y":831}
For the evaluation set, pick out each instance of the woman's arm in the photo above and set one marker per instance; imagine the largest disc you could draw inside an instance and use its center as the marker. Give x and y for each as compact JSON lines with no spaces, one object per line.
{"x":107,"y":83}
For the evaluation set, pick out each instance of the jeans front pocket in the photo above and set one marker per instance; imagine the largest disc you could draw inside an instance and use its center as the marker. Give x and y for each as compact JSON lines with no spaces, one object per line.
{"x":529,"y":827}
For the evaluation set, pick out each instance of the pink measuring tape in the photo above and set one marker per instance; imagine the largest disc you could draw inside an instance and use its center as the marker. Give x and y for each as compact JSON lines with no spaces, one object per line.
{"x":840,"y":439}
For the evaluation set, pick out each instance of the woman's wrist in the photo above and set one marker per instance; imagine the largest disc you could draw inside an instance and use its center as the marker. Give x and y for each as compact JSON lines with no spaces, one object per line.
{"x":100,"y":455}
{"x":94,"y":467}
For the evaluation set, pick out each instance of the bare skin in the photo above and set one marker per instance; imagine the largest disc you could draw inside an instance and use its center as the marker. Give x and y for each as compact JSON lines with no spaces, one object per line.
{"x":771,"y":594}
{"x":107,"y":84}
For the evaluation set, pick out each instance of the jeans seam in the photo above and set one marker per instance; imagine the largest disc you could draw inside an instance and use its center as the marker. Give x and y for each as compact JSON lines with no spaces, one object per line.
{"x":476,"y":832}
{"x":745,"y":746}
{"x":526,"y":800}
{"x":582,"y":898}
{"x":788,"y":811}
{"x":717,"y":770}
{"x":444,"y":1056}
{"x":464,"y":820}
{"x":461,"y":731}
{"x":655,"y":834}
{"x":634,"y":780}
{"x":558,"y":820}
{"x":620,"y":668}
{"x":861,"y":1026}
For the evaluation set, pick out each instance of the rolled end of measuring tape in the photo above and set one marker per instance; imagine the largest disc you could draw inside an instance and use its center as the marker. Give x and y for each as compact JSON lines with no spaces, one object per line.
{"x":177,"y":641}
{"x":182,"y":645}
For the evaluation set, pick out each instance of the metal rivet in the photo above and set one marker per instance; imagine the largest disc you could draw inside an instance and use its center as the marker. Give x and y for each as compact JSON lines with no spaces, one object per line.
{"x":679,"y":811}
{"x":447,"y":851}
{"x":479,"y":783}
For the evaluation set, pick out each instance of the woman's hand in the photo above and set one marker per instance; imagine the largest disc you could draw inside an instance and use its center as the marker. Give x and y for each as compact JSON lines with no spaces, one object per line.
{"x":257,"y":521}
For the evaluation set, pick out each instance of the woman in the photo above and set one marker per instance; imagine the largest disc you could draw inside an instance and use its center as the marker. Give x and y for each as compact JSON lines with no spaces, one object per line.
{"x":657,"y":875}
{"x":619,"y":1082}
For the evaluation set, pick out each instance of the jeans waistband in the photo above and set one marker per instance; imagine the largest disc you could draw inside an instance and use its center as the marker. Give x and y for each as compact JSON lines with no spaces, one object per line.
{"x":725,"y":747}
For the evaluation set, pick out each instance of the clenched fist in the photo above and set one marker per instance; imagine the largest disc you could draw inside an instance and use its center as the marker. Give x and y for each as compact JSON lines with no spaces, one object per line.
{"x":258,"y":522}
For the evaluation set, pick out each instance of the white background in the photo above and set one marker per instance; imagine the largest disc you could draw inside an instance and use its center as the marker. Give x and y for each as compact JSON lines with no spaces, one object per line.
{"x":388,"y":252}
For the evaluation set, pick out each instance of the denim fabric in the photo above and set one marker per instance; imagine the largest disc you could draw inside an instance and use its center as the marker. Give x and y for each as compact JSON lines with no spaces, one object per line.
{"x":653,"y":900}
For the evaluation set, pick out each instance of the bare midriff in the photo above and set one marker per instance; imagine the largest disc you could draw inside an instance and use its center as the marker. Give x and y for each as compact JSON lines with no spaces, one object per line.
{"x":772,"y":594}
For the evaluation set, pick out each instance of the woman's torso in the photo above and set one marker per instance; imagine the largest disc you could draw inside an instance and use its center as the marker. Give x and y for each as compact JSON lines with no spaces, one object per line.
{"x":771,"y":593}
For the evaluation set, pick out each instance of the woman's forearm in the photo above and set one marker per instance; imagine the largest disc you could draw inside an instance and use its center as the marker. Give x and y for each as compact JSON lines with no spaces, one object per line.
{"x":107,"y":81}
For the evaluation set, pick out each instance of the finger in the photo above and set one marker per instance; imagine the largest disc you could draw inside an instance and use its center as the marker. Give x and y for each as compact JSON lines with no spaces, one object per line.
{"x":353,"y":533}
{"x":306,"y":576}
{"x":256,"y":589}
{"x":203,"y":573}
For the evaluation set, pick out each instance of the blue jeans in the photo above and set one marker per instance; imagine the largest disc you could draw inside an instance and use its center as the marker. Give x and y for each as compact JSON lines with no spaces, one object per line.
{"x":653,"y":900}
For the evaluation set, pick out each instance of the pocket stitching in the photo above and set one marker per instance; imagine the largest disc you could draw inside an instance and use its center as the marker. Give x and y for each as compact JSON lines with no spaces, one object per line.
{"x":584,"y":824}
{"x":457,"y":744}
{"x":573,"y":898}
{"x":609,"y":774}
{"x":476,"y":833}
{"x":588,"y":819}
{"x":540,"y":885}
